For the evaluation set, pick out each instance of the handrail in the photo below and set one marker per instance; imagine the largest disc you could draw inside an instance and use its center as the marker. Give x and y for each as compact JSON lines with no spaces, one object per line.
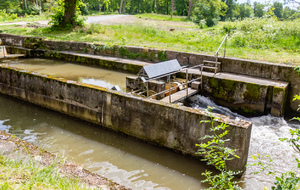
{"x":186,"y":83}
{"x":174,"y":87}
{"x":225,"y":39}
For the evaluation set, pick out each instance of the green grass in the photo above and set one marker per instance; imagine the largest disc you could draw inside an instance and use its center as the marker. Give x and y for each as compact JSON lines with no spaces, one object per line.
{"x":18,"y":174}
{"x":163,"y":17}
{"x":4,"y":18}
{"x":257,"y":39}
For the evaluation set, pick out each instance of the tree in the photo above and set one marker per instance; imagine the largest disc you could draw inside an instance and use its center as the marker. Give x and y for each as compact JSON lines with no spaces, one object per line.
{"x":69,"y":13}
{"x":190,"y":8}
{"x":287,"y":13}
{"x":124,"y":6}
{"x":207,"y":12}
{"x":245,"y":10}
{"x":258,"y":9}
{"x":278,"y":7}
{"x":172,"y":8}
{"x":10,"y":6}
{"x":229,"y":11}
{"x":66,"y":14}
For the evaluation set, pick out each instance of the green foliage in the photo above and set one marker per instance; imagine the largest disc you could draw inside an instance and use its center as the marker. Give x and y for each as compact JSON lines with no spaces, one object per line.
{"x":258,"y":9}
{"x":10,"y":6}
{"x":209,"y":12}
{"x":278,"y":7}
{"x":214,"y":152}
{"x":57,"y":18}
{"x":297,"y":68}
{"x":252,"y":38}
{"x":161,"y":17}
{"x":7,"y":16}
{"x":244,"y":11}
{"x":19,"y":174}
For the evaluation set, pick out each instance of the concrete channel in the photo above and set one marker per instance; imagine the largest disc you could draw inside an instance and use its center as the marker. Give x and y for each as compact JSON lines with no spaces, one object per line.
{"x":169,"y":125}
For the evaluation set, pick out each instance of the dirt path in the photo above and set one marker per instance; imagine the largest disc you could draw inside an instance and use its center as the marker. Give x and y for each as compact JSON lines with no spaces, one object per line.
{"x":122,"y":19}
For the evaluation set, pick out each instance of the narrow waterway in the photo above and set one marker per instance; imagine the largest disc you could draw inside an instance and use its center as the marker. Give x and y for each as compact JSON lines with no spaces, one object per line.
{"x":125,"y":160}
{"x":59,"y":69}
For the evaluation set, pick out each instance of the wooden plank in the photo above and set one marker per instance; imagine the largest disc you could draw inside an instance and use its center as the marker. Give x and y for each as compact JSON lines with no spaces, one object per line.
{"x":180,"y":95}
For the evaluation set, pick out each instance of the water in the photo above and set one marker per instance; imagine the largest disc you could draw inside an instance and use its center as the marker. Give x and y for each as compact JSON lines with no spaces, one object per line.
{"x":266,"y":131}
{"x":125,"y":160}
{"x":85,"y":74}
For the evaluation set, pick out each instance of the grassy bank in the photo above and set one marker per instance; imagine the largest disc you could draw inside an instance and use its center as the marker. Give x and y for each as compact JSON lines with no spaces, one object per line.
{"x":162,"y":17}
{"x":26,"y":174}
{"x":25,"y":166}
{"x":258,"y":39}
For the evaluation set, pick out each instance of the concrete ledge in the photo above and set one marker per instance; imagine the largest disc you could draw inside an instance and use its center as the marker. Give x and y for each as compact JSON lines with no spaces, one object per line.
{"x":253,"y":68}
{"x":168,"y":125}
{"x":244,"y":94}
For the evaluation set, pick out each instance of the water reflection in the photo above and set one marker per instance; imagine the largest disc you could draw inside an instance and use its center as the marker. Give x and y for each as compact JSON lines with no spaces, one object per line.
{"x":85,"y":74}
{"x":123,"y":159}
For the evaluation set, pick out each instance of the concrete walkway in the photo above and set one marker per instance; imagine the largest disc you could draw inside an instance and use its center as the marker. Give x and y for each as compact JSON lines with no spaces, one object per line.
{"x":220,"y":75}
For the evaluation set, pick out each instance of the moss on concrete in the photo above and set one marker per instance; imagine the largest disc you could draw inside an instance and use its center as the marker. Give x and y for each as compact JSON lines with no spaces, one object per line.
{"x":162,"y":56}
{"x":223,"y":89}
{"x":252,"y":92}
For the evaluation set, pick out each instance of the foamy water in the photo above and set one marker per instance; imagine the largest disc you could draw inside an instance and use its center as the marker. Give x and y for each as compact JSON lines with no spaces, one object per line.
{"x":266,"y":131}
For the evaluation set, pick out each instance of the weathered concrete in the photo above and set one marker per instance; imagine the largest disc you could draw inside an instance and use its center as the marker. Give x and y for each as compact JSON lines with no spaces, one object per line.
{"x":2,"y":51}
{"x":168,"y":125}
{"x":244,"y":94}
{"x":271,"y":71}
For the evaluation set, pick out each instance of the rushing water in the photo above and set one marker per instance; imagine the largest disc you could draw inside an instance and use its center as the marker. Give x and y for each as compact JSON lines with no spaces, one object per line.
{"x":266,"y":131}
{"x":125,"y":160}
{"x":85,"y":74}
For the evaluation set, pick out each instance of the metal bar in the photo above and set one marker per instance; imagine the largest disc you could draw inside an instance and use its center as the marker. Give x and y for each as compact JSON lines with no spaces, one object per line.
{"x":174,"y":87}
{"x":172,"y":73}
{"x":225,"y":46}
{"x":216,"y":66}
{"x":221,"y":43}
{"x":147,"y":89}
{"x":187,"y":79}
{"x":201,"y":76}
{"x":169,"y":88}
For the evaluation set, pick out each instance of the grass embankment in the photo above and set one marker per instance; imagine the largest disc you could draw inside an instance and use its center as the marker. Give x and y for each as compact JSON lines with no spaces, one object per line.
{"x":25,"y":166}
{"x":163,"y":17}
{"x":20,"y":174}
{"x":258,"y":39}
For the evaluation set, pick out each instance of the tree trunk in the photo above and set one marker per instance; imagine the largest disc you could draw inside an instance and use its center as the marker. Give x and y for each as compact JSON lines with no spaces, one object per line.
{"x":190,"y":9}
{"x":124,"y":6}
{"x":25,"y":4}
{"x":121,"y":3}
{"x":70,"y":9}
{"x":172,"y":8}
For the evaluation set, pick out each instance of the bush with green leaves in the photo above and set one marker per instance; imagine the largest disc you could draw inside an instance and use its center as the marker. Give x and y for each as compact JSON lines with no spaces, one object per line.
{"x":7,"y":16}
{"x":57,"y":18}
{"x":214,"y":151}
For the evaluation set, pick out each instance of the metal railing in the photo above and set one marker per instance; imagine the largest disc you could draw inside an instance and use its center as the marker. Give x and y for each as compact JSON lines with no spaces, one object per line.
{"x":183,"y":84}
{"x":217,"y":52}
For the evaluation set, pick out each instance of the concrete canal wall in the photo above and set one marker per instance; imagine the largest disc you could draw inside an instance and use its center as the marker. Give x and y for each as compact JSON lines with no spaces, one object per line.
{"x":168,"y":125}
{"x":263,"y":70}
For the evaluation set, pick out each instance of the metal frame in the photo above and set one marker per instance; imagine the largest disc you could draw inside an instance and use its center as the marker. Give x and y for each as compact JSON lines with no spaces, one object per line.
{"x":169,"y":76}
{"x":217,"y":52}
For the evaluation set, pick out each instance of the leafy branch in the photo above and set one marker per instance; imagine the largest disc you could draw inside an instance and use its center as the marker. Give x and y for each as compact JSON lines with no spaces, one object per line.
{"x":214,"y":152}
